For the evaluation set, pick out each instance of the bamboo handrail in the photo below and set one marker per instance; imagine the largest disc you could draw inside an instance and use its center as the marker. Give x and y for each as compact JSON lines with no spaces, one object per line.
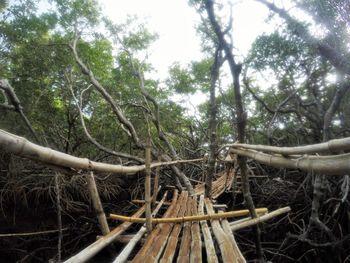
{"x":22,"y":147}
{"x":187,"y":218}
{"x":332,"y":146}
{"x":329,"y":165}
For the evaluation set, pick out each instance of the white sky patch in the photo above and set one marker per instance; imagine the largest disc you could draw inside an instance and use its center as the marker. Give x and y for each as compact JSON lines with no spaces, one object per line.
{"x":172,"y":20}
{"x":175,"y":21}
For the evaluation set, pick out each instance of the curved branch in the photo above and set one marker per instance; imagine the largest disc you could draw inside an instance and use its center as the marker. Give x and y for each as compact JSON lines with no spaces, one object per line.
{"x":332,"y":146}
{"x":115,"y":107}
{"x":92,"y":140}
{"x":16,"y":105}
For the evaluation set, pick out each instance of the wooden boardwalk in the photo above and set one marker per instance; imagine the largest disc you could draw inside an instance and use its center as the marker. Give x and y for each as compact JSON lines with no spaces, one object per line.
{"x":221,"y":184}
{"x":197,"y":241}
{"x":183,"y":242}
{"x":186,"y":241}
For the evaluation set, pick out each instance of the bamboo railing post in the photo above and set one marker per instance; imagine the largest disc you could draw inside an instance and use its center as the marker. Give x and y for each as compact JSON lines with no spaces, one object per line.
{"x":96,"y":202}
{"x":148,"y":198}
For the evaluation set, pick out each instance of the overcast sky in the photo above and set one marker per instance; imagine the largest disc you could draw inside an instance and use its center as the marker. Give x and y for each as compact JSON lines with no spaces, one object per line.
{"x":175,"y":22}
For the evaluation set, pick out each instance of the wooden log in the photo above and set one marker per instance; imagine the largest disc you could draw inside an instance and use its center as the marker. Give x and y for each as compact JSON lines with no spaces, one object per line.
{"x":332,"y":146}
{"x":125,"y":253}
{"x":96,"y":202}
{"x":221,"y":237}
{"x":188,"y":218}
{"x":196,"y":244}
{"x":90,"y":251}
{"x":208,"y":241}
{"x":260,"y":219}
{"x":329,"y":165}
{"x":22,"y":147}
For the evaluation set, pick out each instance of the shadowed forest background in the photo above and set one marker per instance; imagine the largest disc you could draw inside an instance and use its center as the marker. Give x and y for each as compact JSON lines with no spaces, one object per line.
{"x":74,"y":81}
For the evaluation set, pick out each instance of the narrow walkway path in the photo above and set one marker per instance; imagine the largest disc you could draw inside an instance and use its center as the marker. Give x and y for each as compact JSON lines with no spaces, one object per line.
{"x":183,"y":241}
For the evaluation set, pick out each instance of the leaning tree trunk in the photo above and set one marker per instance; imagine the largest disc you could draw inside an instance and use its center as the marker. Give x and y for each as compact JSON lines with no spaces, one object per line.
{"x":241,"y":117}
{"x":212,"y":123}
{"x":320,"y":179}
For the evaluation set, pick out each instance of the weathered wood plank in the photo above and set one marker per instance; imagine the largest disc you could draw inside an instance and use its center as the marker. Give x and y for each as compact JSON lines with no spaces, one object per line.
{"x":221,"y":237}
{"x":173,"y":238}
{"x":208,"y":241}
{"x":238,"y":254}
{"x":184,"y":252}
{"x":162,"y":238}
{"x":142,"y":254}
{"x":196,"y":244}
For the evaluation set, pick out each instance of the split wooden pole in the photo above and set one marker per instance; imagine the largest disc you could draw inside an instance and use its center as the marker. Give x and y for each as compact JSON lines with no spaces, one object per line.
{"x":90,"y":251}
{"x":156,"y":183}
{"x":96,"y":202}
{"x":148,"y":198}
{"x":188,"y":218}
{"x":254,"y":221}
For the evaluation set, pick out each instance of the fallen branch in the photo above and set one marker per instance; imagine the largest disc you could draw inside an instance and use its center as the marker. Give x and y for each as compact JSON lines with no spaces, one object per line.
{"x":32,"y":233}
{"x":187,"y":218}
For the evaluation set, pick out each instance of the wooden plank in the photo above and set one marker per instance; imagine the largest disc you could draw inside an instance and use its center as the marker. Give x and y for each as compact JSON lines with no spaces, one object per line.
{"x":124,"y":254}
{"x":165,"y":229}
{"x":142,"y":254}
{"x":196,"y":244}
{"x":238,"y":254}
{"x":222,"y":239}
{"x":184,"y":252}
{"x":173,"y":238}
{"x":208,"y":241}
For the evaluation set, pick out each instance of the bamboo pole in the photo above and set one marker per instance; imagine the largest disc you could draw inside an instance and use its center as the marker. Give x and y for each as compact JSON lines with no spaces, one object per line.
{"x":260,"y":219}
{"x":125,"y":253}
{"x":96,"y":202}
{"x":332,"y":146}
{"x":330,"y":165}
{"x":22,"y":147}
{"x":90,"y":251}
{"x":183,"y":219}
{"x":148,"y":197}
